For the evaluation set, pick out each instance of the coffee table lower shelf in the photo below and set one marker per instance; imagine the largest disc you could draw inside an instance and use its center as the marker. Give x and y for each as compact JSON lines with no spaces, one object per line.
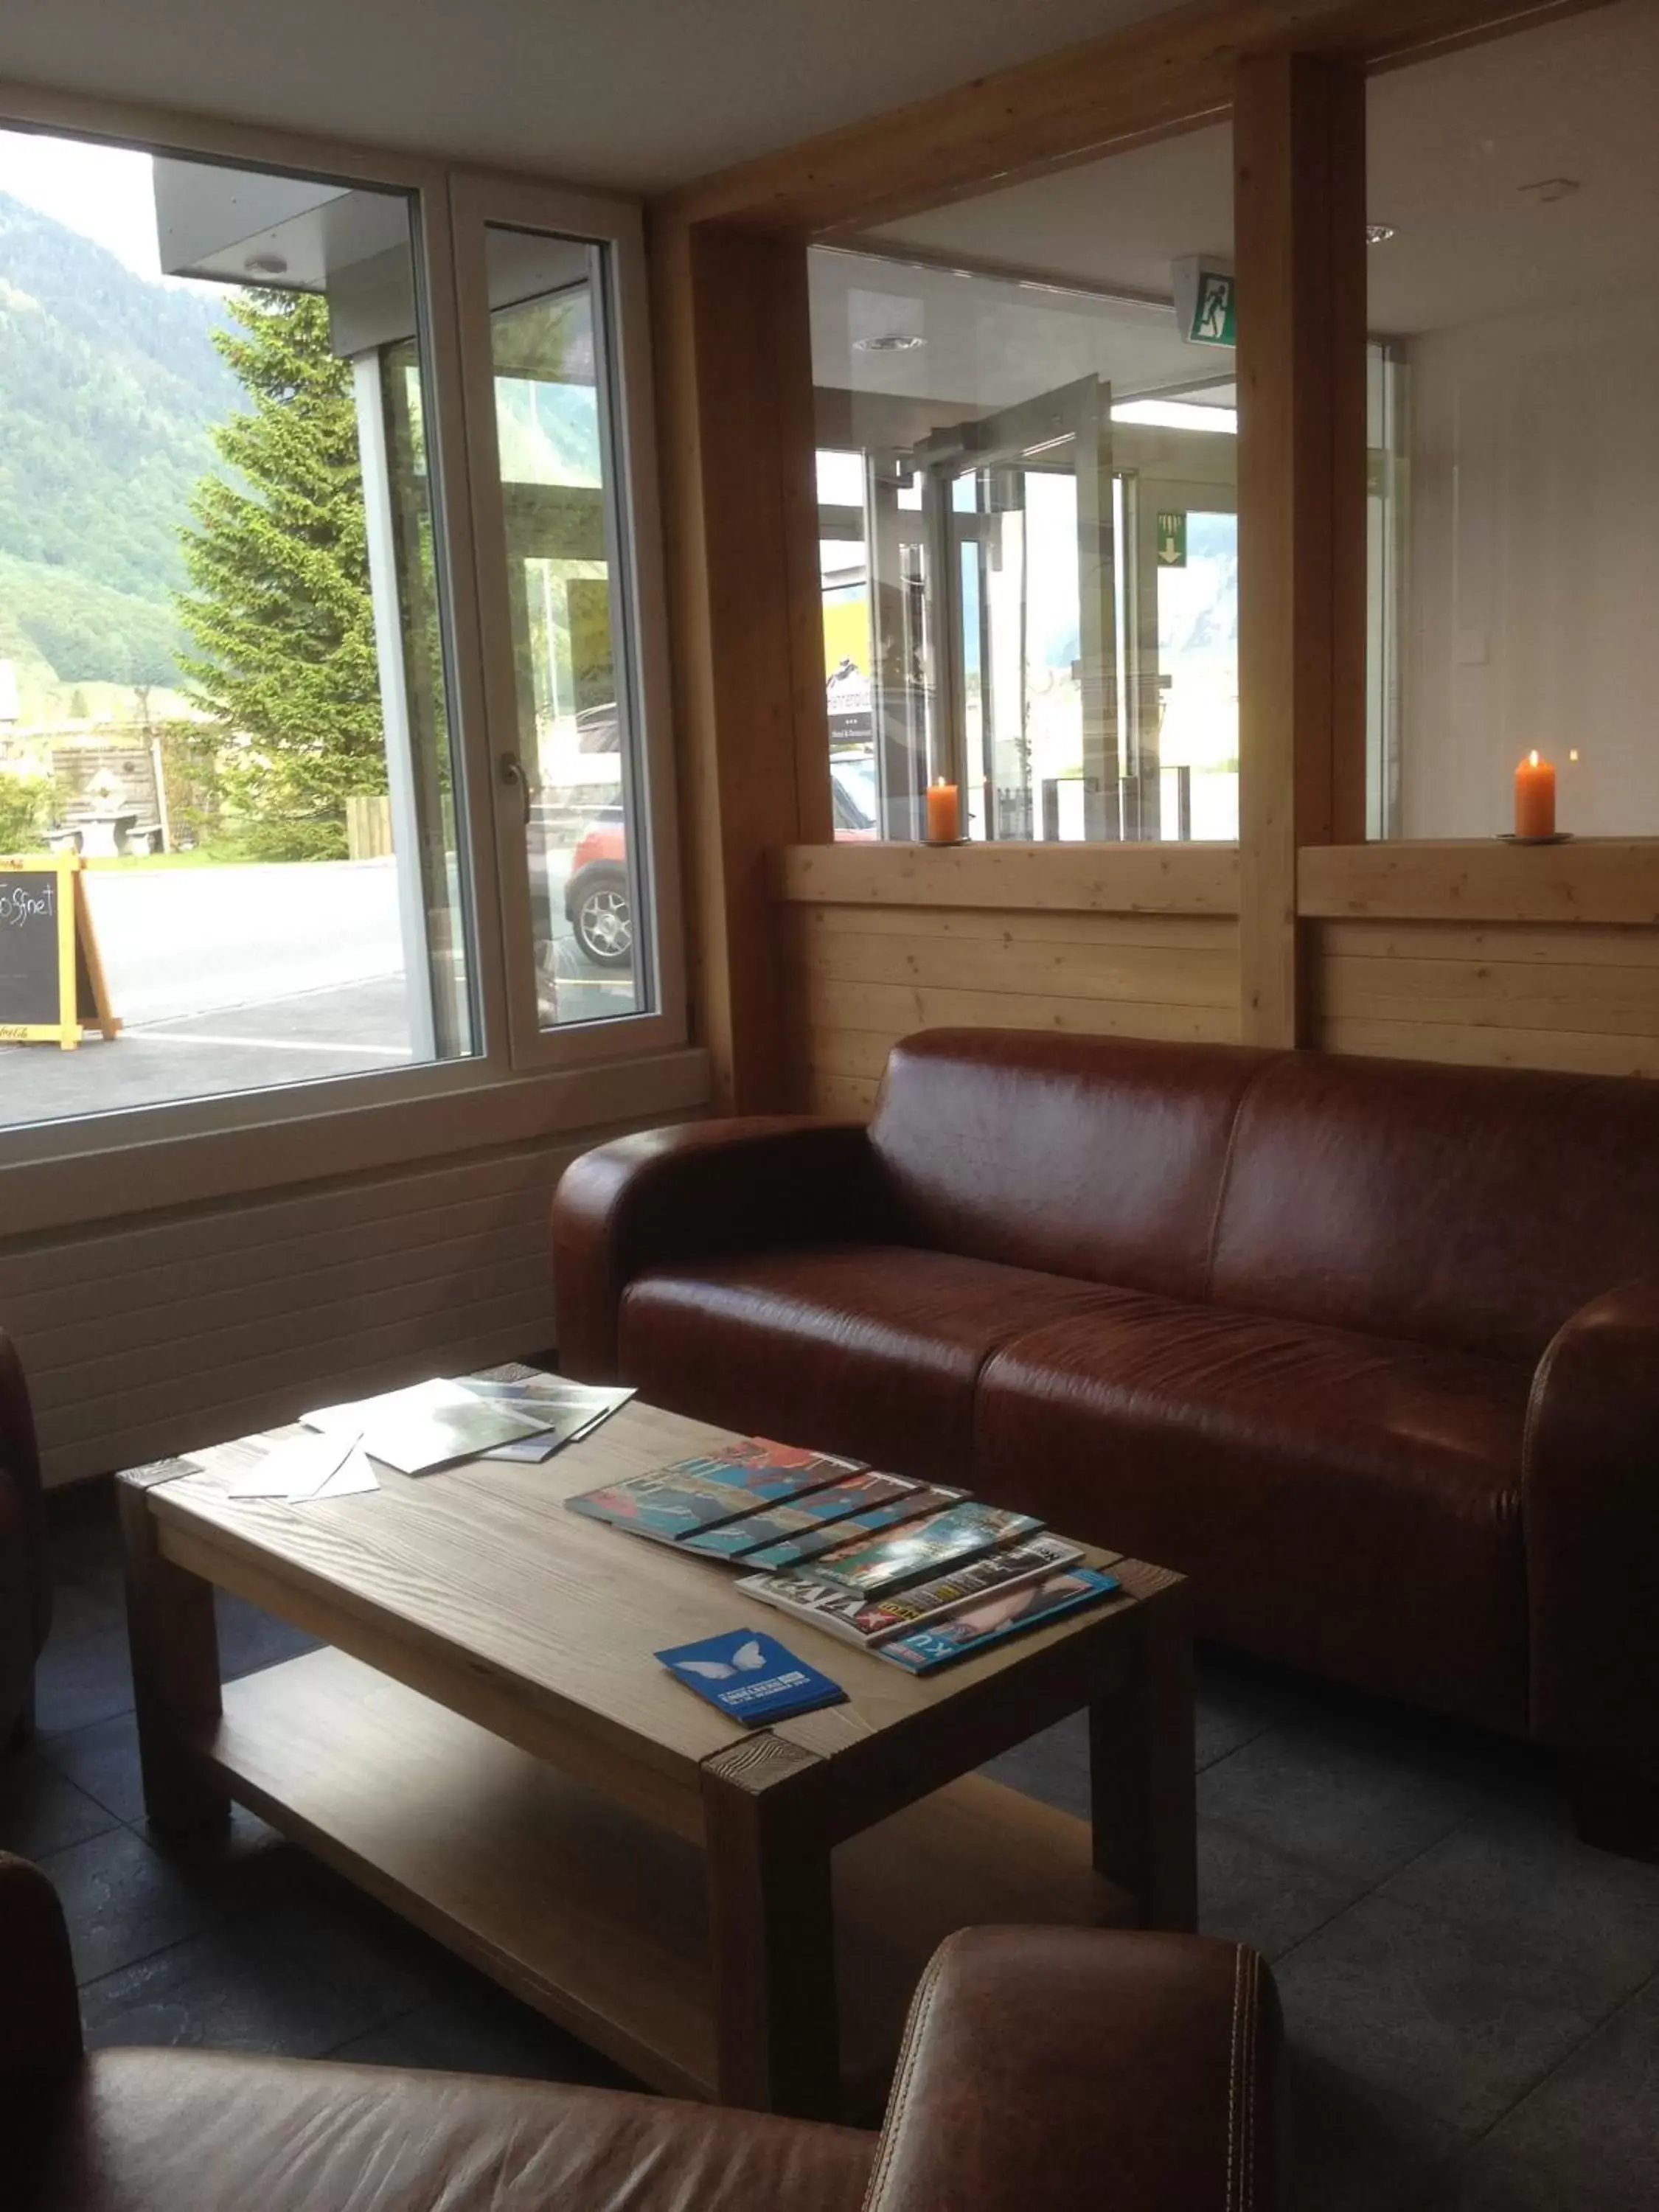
{"x":590,"y":1915}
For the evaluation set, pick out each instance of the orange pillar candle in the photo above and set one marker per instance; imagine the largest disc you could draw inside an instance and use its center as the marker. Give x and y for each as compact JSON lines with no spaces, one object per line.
{"x":944,"y":813}
{"x":1534,"y":798}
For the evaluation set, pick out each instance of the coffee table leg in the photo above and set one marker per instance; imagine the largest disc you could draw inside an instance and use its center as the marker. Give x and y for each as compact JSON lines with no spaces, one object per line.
{"x":1140,"y":1772}
{"x":771,"y":1926}
{"x":174,"y":1641}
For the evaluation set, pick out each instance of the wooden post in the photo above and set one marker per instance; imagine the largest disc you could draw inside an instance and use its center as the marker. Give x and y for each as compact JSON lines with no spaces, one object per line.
{"x":734,"y":376}
{"x":174,"y":1640}
{"x":1141,"y":1769}
{"x":771,"y":1931}
{"x":1298,"y":215}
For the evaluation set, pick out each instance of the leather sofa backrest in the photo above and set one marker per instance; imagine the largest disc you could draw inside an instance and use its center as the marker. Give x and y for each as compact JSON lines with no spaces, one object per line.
{"x":1463,"y":1206}
{"x":1095,"y":1157}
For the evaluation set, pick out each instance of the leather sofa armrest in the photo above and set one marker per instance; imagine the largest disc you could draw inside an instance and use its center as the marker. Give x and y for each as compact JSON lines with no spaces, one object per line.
{"x":19,"y":1465}
{"x":1046,"y":2069}
{"x":40,"y":2014}
{"x":703,"y":1188}
{"x":1590,"y":1505}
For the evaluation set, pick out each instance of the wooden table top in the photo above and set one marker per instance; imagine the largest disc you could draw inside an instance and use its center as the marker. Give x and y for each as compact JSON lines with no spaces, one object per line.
{"x":480,"y":1568}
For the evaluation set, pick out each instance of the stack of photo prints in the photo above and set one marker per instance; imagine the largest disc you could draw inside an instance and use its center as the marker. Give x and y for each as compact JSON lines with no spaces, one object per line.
{"x":919,"y":1573}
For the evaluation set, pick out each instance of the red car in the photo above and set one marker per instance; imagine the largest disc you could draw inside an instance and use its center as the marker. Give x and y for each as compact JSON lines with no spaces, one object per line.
{"x":597,"y":904}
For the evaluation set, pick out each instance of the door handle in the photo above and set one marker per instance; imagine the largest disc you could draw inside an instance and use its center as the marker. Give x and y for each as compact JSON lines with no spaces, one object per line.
{"x":513,"y":771}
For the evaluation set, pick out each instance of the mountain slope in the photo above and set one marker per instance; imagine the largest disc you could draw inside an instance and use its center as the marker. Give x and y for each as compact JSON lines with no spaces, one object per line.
{"x":108,"y":385}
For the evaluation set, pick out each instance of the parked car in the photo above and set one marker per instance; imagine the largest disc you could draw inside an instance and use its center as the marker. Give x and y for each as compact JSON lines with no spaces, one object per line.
{"x":597,"y":904}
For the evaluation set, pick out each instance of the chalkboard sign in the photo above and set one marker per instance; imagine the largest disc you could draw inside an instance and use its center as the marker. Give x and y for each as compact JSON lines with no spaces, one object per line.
{"x":52,"y":980}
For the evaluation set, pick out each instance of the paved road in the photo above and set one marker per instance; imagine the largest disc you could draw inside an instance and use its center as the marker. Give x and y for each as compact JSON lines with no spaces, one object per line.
{"x":241,"y":978}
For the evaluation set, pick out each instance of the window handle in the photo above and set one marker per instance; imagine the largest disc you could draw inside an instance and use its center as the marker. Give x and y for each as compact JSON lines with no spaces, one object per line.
{"x":513,"y":771}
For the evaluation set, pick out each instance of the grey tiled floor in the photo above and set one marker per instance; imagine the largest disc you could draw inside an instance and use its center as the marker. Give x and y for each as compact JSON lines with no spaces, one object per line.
{"x":1472,"y":1995}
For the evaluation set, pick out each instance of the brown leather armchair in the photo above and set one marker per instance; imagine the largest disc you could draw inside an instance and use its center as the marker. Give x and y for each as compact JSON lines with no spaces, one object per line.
{"x":1045,"y":2070}
{"x":1367,"y":1349}
{"x":25,"y":1571}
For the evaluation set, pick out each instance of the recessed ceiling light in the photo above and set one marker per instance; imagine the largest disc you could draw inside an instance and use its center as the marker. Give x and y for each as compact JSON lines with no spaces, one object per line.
{"x":891,"y":342}
{"x":1378,"y":233}
{"x":266,"y":264}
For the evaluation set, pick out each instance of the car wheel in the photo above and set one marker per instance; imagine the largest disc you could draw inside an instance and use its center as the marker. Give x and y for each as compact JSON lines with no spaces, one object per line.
{"x":603,"y":919}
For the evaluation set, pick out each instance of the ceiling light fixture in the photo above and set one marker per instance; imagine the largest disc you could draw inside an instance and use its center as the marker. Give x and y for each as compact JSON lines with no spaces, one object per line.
{"x":266,"y":264}
{"x":1378,"y":233}
{"x":891,"y":342}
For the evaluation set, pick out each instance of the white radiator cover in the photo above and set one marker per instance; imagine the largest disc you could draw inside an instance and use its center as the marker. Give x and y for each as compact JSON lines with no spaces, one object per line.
{"x":155,"y":1335}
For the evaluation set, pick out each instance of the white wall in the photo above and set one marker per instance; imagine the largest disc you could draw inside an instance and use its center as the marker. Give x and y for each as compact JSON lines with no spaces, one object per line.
{"x":1533,"y":597}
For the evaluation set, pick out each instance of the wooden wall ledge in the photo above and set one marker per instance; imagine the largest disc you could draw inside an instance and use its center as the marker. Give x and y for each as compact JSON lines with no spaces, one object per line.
{"x":1602,"y":880}
{"x":1196,"y":880}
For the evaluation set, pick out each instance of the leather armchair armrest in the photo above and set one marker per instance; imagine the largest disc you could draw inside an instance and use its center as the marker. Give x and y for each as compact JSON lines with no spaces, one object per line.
{"x":1046,"y":2070}
{"x":40,"y":2014}
{"x":706,"y":1187}
{"x":1590,"y":1503}
{"x":20,"y":1467}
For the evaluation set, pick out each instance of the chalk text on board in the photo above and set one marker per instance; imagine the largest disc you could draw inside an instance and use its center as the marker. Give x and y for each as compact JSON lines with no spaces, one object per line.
{"x":19,"y":906}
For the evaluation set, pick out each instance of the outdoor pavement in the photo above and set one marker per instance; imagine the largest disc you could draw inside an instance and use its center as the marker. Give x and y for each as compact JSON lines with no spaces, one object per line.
{"x":238,"y":979}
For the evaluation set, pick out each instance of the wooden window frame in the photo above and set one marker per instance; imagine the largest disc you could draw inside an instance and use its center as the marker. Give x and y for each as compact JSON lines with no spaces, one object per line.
{"x":730,"y":298}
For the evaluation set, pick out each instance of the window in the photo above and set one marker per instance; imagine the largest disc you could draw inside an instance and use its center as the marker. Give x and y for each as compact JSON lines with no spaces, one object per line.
{"x":1027,"y":534}
{"x":1515,"y":431}
{"x":248,"y":732}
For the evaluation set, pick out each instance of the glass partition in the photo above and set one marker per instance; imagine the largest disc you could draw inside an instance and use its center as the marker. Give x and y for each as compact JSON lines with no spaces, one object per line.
{"x":1513,"y":199}
{"x":1028,"y":530}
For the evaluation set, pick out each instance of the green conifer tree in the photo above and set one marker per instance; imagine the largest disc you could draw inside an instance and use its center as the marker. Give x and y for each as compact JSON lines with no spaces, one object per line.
{"x":279,"y":617}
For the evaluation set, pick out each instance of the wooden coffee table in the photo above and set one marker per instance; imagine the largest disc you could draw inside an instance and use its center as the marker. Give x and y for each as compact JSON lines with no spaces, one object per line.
{"x":489,"y":1746}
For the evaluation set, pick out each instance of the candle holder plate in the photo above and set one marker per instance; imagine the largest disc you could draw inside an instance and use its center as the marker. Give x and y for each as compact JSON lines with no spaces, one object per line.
{"x":1555,"y":837}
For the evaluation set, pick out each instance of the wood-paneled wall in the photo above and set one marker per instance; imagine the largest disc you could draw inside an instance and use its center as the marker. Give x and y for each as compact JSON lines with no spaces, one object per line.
{"x":881,"y":941}
{"x":1574,"y":997}
{"x":1462,"y":954}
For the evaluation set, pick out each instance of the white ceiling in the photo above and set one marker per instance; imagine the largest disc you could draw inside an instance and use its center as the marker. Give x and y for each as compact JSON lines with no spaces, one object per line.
{"x":633,"y":94}
{"x":1452,"y":144}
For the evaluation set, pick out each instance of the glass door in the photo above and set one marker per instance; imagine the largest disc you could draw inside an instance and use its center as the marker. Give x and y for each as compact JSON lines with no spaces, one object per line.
{"x":998,"y":604}
{"x":558,"y":441}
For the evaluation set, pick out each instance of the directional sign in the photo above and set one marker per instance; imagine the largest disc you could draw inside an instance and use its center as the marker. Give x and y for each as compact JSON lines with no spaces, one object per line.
{"x":1172,"y":541}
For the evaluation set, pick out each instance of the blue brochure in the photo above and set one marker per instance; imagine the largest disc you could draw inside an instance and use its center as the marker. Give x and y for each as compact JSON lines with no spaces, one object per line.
{"x":751,"y":1677}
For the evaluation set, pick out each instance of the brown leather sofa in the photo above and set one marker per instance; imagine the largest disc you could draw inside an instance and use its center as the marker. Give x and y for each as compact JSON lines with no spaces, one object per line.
{"x":1045,"y":2070}
{"x":1370,"y":1349}
{"x":25,"y":1573}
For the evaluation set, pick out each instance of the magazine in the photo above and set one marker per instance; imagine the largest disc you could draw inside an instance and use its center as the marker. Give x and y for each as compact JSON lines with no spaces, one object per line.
{"x":921,"y":1498}
{"x":914,"y":1552}
{"x":750,"y":1677}
{"x":866,"y":1621}
{"x":975,"y":1629}
{"x":854,"y":1505}
{"x":429,"y":1425}
{"x":672,"y":1502}
{"x":572,"y":1409}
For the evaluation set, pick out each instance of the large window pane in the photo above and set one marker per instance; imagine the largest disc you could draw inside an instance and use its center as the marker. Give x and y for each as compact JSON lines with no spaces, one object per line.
{"x":553,"y":424}
{"x":222,"y":668}
{"x":1027,"y":508}
{"x":1514,"y":302}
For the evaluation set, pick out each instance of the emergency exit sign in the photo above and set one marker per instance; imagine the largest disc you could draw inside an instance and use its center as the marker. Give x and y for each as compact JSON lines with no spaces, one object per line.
{"x":1171,"y":541}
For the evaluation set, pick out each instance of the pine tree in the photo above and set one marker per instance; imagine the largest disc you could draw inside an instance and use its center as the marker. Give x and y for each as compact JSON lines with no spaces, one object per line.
{"x":280,"y":616}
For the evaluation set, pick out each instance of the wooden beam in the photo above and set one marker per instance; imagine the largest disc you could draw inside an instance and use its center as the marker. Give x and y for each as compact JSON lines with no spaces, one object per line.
{"x":733,"y":360}
{"x":1178,"y":879}
{"x":1594,"y":880}
{"x":1298,"y":214}
{"x":1146,"y":81}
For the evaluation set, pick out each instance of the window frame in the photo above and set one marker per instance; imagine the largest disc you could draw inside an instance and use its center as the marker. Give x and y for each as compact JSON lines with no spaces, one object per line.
{"x":479,"y":200}
{"x":42,"y":1165}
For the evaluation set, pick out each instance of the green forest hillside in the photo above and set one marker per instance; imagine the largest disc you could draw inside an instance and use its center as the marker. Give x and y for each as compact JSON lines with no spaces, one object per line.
{"x":108,"y":383}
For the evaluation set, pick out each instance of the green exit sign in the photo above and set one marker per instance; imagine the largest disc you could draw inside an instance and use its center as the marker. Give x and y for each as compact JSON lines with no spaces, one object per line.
{"x":1205,"y":302}
{"x":1171,"y":541}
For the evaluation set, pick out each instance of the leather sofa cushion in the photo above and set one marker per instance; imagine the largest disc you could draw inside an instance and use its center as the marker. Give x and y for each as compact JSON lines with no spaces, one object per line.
{"x":152,"y":2131}
{"x":1345,"y":1503}
{"x":1464,"y":1206}
{"x":1090,"y":1156}
{"x":872,"y":1350}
